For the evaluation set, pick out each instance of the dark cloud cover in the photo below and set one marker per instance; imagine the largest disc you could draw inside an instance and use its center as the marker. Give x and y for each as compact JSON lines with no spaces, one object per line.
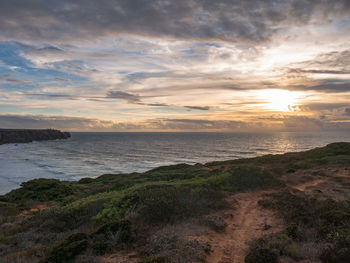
{"x":228,"y":20}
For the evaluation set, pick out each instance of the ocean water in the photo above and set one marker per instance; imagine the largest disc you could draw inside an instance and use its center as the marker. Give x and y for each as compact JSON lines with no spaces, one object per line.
{"x":94,"y":154}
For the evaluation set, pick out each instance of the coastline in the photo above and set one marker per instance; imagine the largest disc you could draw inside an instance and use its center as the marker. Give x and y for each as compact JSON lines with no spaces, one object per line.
{"x":29,"y":135}
{"x":90,"y":155}
{"x":187,"y":212}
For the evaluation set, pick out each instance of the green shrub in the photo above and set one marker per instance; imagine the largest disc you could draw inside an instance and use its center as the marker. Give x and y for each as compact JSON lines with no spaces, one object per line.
{"x":271,"y":247}
{"x":261,"y":255}
{"x":40,"y":190}
{"x":215,"y":222}
{"x":177,"y":172}
{"x":8,"y":209}
{"x":68,"y":249}
{"x":339,"y":252}
{"x":153,"y":259}
{"x":170,"y":204}
{"x":292,"y":231}
{"x":244,"y":178}
{"x":86,"y":180}
{"x":166,"y":246}
{"x":163,"y":203}
{"x":111,"y":236}
{"x":328,"y":222}
{"x":69,"y":217}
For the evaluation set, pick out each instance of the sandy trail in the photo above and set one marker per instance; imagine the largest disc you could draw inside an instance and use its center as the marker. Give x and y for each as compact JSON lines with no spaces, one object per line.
{"x":304,"y":186}
{"x":248,"y":223}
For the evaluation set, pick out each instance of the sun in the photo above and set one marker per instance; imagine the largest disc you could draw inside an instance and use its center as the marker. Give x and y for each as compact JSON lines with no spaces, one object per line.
{"x":279,"y":100}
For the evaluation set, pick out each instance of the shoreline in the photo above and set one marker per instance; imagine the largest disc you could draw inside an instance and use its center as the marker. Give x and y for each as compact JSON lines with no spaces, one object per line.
{"x":187,"y":213}
{"x":10,"y":136}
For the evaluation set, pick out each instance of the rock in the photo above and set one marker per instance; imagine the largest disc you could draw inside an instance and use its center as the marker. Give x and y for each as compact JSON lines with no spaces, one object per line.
{"x":25,"y":136}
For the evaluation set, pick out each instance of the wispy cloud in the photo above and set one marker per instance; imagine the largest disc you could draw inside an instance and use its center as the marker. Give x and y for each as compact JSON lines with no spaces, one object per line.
{"x":172,"y":65}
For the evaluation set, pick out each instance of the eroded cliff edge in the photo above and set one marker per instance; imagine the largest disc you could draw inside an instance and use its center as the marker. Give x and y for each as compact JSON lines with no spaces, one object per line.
{"x":27,"y":135}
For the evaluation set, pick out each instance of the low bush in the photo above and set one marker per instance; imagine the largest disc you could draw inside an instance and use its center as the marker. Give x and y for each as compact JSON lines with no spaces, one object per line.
{"x":261,"y":255}
{"x":339,"y":250}
{"x":244,"y":178}
{"x":111,"y":236}
{"x":40,"y":190}
{"x":317,"y":221}
{"x":171,"y":248}
{"x":153,"y":259}
{"x":270,"y":248}
{"x":69,"y":217}
{"x":171,"y":204}
{"x":216,"y":223}
{"x":68,"y":249}
{"x":177,"y":172}
{"x":164,"y":203}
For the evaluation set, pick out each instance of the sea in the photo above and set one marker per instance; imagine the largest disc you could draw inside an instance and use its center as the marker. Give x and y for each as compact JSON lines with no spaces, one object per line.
{"x":93,"y":154}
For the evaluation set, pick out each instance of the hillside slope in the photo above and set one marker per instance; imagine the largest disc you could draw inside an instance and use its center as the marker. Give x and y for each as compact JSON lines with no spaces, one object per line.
{"x":293,"y":207}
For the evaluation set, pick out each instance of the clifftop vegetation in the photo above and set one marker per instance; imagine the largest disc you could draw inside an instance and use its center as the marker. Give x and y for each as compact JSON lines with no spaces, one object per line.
{"x":172,"y":213}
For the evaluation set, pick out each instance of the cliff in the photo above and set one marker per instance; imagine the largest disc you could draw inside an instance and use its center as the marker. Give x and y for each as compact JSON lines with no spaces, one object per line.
{"x":24,"y":136}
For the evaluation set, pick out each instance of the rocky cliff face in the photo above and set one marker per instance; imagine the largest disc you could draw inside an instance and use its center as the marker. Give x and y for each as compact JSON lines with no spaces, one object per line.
{"x":23,"y":136}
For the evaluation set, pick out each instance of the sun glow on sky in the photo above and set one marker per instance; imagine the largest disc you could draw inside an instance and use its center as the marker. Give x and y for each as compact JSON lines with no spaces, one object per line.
{"x":280,"y":100}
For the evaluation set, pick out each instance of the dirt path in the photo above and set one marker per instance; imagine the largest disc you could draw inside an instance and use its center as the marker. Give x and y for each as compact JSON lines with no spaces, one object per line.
{"x":249,"y":222}
{"x":246,"y":221}
{"x":304,"y":186}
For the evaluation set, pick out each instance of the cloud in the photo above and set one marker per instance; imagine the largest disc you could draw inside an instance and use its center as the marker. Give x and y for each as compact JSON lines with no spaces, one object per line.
{"x":43,"y":122}
{"x":284,"y":123}
{"x":320,"y":71}
{"x":327,"y":85}
{"x":323,"y":106}
{"x":62,"y":79}
{"x":131,"y":98}
{"x":18,"y":81}
{"x":83,"y":124}
{"x":171,"y":65}
{"x":330,"y":63}
{"x":198,"y":107}
{"x":241,"y":20}
{"x":55,"y":96}
{"x":347,"y":111}
{"x":302,"y":123}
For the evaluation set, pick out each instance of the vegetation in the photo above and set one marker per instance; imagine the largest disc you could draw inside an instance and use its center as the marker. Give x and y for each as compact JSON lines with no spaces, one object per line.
{"x":68,"y":249}
{"x":325,"y":222}
{"x":40,"y":190}
{"x":48,"y":220}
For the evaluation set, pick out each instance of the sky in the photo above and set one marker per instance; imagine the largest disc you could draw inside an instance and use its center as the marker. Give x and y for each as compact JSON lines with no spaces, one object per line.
{"x":184,"y":65}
